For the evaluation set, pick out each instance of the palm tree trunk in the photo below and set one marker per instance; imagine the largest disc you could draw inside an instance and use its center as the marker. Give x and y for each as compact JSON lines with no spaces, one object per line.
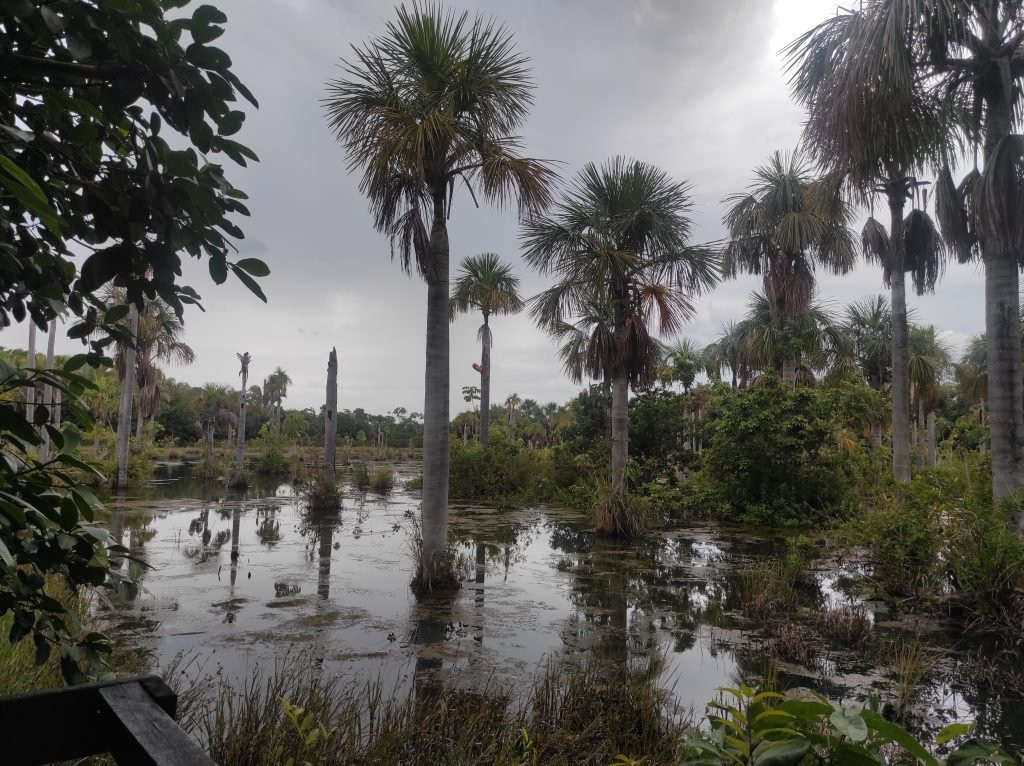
{"x":331,"y":420}
{"x":44,"y":448}
{"x":485,"y":384}
{"x":140,"y":421}
{"x":238,"y":480}
{"x":900,"y":340}
{"x":1005,"y":394}
{"x":921,"y":433}
{"x":876,"y":435}
{"x":30,"y":392}
{"x":789,"y":371}
{"x":609,"y":523}
{"x":124,"y":410}
{"x":1002,"y":324}
{"x":932,"y":460}
{"x":434,"y":513}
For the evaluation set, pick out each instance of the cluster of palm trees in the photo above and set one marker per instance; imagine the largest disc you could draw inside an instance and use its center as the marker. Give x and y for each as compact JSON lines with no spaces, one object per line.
{"x":894,"y":89}
{"x":436,"y":101}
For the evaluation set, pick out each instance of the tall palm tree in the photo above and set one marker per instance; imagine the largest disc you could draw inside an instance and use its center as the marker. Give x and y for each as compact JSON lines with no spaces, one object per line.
{"x":30,"y":392}
{"x":159,"y":338}
{"x":275,"y":389}
{"x":620,"y":238}
{"x":929,"y":359}
{"x":965,"y":56}
{"x":436,"y":100}
{"x":869,"y":327}
{"x":972,"y":375}
{"x":878,"y":139}
{"x":785,"y":226}
{"x":512,"y":406}
{"x":485,"y":283}
{"x":238,"y":480}
{"x":124,"y":409}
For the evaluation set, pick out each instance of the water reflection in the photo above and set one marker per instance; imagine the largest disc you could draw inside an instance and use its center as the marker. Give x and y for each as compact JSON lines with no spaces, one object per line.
{"x":537,"y":584}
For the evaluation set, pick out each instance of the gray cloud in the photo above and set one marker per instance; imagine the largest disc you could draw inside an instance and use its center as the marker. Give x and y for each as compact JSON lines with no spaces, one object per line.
{"x":695,"y":87}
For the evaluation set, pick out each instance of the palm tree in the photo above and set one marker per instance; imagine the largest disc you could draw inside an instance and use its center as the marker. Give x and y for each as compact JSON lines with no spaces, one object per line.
{"x":275,"y":388}
{"x":619,"y":238}
{"x":929,"y":359}
{"x":158,"y":339}
{"x":238,"y":480}
{"x":48,"y":392}
{"x":768,"y":340}
{"x":684,"y":361}
{"x":972,"y":375}
{"x":124,"y":409}
{"x":512,"y":404}
{"x":30,"y":392}
{"x":900,"y":58}
{"x":437,"y":99}
{"x":485,"y":283}
{"x":869,"y":327}
{"x":727,"y":352}
{"x":213,"y":403}
{"x":783,"y":227}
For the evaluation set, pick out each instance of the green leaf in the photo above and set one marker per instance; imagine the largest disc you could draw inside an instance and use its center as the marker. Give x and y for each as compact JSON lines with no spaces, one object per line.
{"x":784,"y":753}
{"x":116,"y":313}
{"x":892,"y":732}
{"x":254,"y":266}
{"x":219,"y":268}
{"x":953,"y":730}
{"x":849,"y":722}
{"x":28,"y":193}
{"x":249,"y":282}
{"x":5,"y":554}
{"x":208,"y":57}
{"x":974,"y":750}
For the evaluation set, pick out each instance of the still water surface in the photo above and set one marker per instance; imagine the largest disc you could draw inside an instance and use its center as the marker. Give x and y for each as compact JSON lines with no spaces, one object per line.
{"x":333,"y":590}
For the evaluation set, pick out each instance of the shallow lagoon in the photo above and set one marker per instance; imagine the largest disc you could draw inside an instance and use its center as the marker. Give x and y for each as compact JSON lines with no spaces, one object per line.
{"x":333,"y":590}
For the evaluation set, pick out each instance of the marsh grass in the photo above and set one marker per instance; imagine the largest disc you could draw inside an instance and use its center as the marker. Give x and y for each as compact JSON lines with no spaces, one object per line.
{"x":382,"y":480}
{"x":847,"y":625}
{"x":911,"y":662}
{"x":571,"y":715}
{"x":766,"y":589}
{"x":322,"y":494}
{"x":360,"y":476}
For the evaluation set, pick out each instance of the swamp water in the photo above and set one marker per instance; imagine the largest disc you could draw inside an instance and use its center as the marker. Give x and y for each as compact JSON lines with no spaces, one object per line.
{"x":332,"y":590}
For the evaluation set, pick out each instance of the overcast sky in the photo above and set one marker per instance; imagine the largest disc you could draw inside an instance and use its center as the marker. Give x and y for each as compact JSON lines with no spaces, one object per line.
{"x":694,"y":86}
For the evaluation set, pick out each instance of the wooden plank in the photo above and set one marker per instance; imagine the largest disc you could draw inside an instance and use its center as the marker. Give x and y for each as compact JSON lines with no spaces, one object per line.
{"x":86,"y":727}
{"x":148,"y":737}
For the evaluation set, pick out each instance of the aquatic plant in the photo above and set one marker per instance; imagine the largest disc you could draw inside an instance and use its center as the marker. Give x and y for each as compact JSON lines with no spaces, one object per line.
{"x":382,"y":480}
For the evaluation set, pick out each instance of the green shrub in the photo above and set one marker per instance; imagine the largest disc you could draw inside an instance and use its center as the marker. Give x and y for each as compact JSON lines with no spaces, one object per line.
{"x":273,"y":449}
{"x":902,"y":538}
{"x":985,"y":561}
{"x":775,"y":455}
{"x":501,"y":472}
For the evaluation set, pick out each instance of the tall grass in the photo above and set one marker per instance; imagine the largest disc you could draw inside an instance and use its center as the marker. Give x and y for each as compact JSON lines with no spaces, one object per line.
{"x":570,"y":716}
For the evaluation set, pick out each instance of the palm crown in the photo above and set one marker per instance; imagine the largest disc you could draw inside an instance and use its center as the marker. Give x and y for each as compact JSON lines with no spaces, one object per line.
{"x":782,"y":226}
{"x":436,"y":99}
{"x":620,"y":237}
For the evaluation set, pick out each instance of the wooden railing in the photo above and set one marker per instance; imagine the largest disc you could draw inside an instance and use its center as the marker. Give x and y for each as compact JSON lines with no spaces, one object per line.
{"x":133,"y":720}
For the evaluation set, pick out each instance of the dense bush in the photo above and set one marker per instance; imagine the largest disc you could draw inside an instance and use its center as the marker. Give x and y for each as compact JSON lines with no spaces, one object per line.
{"x":500,"y":472}
{"x":775,"y":455}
